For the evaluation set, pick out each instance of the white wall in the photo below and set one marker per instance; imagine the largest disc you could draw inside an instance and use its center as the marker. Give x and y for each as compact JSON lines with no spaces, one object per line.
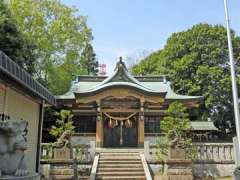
{"x":21,"y":107}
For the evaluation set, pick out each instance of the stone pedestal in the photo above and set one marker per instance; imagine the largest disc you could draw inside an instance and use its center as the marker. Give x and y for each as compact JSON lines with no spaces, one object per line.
{"x":176,"y":153}
{"x":237,"y":173}
{"x":34,"y":176}
{"x":178,"y":167}
{"x":62,"y":153}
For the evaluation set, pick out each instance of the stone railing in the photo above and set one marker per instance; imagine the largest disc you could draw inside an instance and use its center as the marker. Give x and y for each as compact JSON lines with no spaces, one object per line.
{"x":216,"y":152}
{"x":83,"y":153}
{"x":206,"y":152}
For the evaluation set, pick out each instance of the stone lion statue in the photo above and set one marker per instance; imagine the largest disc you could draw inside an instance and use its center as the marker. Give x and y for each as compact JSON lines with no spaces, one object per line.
{"x":175,"y":142}
{"x":13,"y":143}
{"x":63,"y":140}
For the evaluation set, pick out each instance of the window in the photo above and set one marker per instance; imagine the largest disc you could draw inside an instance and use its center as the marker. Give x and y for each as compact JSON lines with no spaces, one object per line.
{"x":152,"y":124}
{"x":85,"y":124}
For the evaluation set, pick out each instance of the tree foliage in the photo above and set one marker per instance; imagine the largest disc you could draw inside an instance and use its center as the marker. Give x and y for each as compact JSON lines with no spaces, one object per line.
{"x":149,"y":65}
{"x":89,"y":61}
{"x":196,"y":61}
{"x":63,"y":124}
{"x":14,"y":43}
{"x":176,"y":120}
{"x":60,"y":34}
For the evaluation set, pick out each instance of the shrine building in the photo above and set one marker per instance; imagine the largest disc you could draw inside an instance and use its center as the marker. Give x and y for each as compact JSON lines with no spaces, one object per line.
{"x":120,"y":110}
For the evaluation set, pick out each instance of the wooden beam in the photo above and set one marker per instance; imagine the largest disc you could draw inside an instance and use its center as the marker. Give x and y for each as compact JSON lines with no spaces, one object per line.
{"x":120,"y":110}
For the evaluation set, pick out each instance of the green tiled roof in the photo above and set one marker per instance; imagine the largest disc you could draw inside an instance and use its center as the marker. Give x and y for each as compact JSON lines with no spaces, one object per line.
{"x":121,"y":77}
{"x":203,"y":126}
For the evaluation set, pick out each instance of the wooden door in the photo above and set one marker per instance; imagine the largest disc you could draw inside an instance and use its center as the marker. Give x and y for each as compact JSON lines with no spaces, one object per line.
{"x":112,"y":136}
{"x":130,"y":135}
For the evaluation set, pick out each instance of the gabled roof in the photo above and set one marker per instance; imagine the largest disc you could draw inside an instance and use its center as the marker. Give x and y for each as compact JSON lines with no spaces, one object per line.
{"x":203,"y":126}
{"x":150,"y":85}
{"x":120,"y":78}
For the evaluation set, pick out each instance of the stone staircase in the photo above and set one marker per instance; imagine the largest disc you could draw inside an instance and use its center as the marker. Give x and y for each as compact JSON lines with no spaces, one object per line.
{"x":125,"y":165}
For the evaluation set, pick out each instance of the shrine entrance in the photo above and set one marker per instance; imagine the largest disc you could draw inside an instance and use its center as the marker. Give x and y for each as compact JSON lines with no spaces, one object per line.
{"x":120,"y":131}
{"x":120,"y":103}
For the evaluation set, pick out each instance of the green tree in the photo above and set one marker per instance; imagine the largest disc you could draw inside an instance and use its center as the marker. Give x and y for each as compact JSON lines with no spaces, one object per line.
{"x":150,"y":65}
{"x":60,"y":34}
{"x":89,"y":61}
{"x":13,"y":43}
{"x":63,"y":124}
{"x":176,"y":119}
{"x":196,"y":61}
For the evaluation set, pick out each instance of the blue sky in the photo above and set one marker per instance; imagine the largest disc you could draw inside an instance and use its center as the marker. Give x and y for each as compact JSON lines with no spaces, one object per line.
{"x":124,"y":27}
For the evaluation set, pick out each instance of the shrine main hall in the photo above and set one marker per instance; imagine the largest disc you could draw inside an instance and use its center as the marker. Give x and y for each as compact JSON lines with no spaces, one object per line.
{"x":120,"y":110}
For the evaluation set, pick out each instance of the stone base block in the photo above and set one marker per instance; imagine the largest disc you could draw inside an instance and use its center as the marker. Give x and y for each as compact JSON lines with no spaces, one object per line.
{"x":161,"y":177}
{"x":177,"y":153}
{"x":180,"y":177}
{"x":29,"y":177}
{"x":62,"y":153}
{"x":179,"y":169}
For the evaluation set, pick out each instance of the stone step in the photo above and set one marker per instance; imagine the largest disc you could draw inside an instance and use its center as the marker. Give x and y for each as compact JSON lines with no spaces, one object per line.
{"x":119,"y":150}
{"x":124,"y":173}
{"x":119,"y":165}
{"x":127,"y":155}
{"x":121,"y":177}
{"x":120,"y":162}
{"x":111,"y":169}
{"x":119,"y":157}
{"x":119,"y":154}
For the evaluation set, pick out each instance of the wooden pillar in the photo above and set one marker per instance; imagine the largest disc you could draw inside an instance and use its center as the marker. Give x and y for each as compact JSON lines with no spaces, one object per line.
{"x":99,"y":127}
{"x":141,"y":126}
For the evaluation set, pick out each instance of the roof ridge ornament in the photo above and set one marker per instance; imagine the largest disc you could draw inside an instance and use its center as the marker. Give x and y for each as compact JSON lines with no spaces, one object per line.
{"x":120,"y":59}
{"x":120,"y":65}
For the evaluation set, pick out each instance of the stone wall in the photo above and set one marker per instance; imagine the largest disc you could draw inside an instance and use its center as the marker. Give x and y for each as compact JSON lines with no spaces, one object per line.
{"x":201,"y":170}
{"x":50,"y":163}
{"x":18,"y":106}
{"x":213,"y":159}
{"x":213,"y":169}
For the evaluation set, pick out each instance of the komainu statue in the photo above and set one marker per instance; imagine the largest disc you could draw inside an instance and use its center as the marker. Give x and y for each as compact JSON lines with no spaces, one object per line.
{"x":13,"y":143}
{"x":63,"y":140}
{"x":175,"y":142}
